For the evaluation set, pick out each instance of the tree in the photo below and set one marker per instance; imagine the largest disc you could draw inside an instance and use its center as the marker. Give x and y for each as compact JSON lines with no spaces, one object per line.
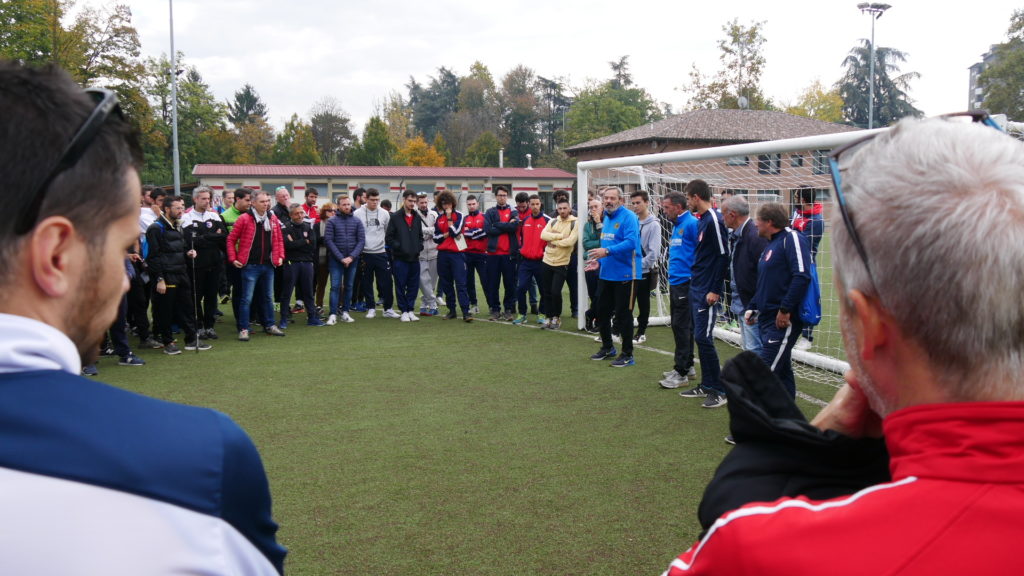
{"x":483,"y":152}
{"x":600,"y":110}
{"x":519,"y":114}
{"x":738,"y":83}
{"x":376,"y":148}
{"x":477,"y":111}
{"x":26,"y":30}
{"x":397,"y":115}
{"x":296,"y":144}
{"x":417,"y":152}
{"x":246,"y":105}
{"x":1003,"y":81}
{"x":622,"y":78}
{"x":818,"y":103}
{"x":332,"y":130}
{"x":256,"y":142}
{"x":891,"y":101}
{"x":554,"y":104}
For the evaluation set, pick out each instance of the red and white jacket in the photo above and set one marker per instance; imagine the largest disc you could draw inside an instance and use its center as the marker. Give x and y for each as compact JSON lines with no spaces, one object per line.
{"x":954,"y":506}
{"x":531,"y":246}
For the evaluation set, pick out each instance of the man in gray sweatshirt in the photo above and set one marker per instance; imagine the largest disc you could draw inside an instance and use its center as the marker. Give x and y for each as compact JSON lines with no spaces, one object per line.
{"x":374,"y":258}
{"x":650,"y":242}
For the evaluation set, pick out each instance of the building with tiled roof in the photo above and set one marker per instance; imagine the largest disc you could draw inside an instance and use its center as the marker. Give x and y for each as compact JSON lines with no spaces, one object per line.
{"x":703,"y":129}
{"x":331,"y":182}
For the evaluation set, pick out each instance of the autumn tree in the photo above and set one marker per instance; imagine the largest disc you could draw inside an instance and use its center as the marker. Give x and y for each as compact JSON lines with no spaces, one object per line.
{"x":417,"y":152}
{"x":482,"y":152}
{"x":818,"y":103}
{"x":1003,"y":81}
{"x":397,"y":113}
{"x":738,"y":83}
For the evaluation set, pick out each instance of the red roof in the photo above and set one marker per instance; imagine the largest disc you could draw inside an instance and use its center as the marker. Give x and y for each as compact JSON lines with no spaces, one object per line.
{"x":399,"y":172}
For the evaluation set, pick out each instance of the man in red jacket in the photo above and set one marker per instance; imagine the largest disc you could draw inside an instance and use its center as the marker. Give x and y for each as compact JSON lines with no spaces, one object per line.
{"x":256,"y":247}
{"x":935,"y":345}
{"x":531,"y":256}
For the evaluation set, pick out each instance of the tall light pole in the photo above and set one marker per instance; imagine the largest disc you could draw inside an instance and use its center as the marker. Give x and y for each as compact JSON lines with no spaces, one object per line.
{"x":875,"y":10}
{"x":174,"y":108}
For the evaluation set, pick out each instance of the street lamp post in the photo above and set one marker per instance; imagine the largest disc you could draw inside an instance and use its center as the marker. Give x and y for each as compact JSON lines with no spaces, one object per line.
{"x":174,"y":108}
{"x":875,"y":10}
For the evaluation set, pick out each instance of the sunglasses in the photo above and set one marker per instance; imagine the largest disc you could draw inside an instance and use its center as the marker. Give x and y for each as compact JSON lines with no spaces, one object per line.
{"x":106,"y":103}
{"x":848,"y":150}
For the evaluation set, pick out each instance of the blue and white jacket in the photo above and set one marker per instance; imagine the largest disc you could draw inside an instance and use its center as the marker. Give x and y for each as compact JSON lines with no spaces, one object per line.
{"x":620,"y":235}
{"x":782,"y":273}
{"x":681,"y":248}
{"x":711,"y":258}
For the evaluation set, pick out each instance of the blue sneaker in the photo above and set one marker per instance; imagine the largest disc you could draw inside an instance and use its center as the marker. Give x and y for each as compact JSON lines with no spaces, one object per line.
{"x":424,"y":311}
{"x":433,"y":312}
{"x":131,"y":360}
{"x":317,"y":322}
{"x":605,"y":353}
{"x":90,"y":370}
{"x":622,"y":361}
{"x":360,"y":307}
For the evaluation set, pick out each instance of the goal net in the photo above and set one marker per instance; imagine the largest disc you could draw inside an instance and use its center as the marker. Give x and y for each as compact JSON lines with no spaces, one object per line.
{"x":762,"y":172}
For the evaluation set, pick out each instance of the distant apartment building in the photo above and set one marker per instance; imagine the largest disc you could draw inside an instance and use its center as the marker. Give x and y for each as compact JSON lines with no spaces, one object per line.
{"x":976,"y":96}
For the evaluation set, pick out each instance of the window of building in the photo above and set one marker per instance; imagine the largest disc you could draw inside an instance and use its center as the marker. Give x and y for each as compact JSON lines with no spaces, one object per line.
{"x":819,"y":161}
{"x":796,"y":160}
{"x":737,"y":161}
{"x":769,"y":164}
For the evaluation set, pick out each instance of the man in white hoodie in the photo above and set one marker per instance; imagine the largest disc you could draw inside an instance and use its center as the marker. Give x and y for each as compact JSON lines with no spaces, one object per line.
{"x":374,"y":258}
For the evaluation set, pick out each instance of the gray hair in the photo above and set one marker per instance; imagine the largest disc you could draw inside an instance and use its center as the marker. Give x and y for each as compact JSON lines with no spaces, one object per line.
{"x":939,"y":206}
{"x":737,"y":204}
{"x":201,"y":189}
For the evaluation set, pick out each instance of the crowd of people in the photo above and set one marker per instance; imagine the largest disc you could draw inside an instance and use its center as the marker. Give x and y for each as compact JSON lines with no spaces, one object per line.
{"x":914,"y":467}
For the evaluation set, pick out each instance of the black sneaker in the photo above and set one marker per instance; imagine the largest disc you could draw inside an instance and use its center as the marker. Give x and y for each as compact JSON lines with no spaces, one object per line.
{"x":468,"y":317}
{"x":623,"y":360}
{"x":714,"y":400}
{"x":171,"y":349}
{"x":697,"y":391}
{"x":211,"y":334}
{"x":193,"y":345}
{"x":451,"y":315}
{"x":605,"y":353}
{"x":90,"y":370}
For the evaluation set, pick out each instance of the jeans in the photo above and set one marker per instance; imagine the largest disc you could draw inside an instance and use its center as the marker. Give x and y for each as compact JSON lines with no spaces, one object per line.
{"x":343,"y":278}
{"x":251,"y":275}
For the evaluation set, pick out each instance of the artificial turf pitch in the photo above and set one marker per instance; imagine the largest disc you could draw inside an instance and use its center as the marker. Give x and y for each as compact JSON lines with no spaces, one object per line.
{"x":441,"y":447}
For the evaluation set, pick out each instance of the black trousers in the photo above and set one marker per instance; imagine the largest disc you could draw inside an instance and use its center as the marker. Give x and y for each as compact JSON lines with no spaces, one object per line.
{"x":138,"y":305}
{"x":642,"y":301}
{"x":207,"y":289}
{"x":682,"y":326}
{"x":175,"y":306}
{"x":554,"y":278}
{"x":616,"y":301}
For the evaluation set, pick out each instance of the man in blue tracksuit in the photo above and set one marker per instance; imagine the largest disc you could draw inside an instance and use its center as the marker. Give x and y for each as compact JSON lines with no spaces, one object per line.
{"x":681,"y":248}
{"x":620,"y":261}
{"x":782,"y":280}
{"x":710,"y":264}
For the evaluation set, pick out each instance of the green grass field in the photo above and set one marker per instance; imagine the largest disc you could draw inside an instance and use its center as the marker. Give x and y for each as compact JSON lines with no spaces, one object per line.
{"x":441,"y":447}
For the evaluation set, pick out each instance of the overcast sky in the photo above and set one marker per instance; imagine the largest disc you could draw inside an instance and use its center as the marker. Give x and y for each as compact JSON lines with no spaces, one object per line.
{"x":298,"y":51}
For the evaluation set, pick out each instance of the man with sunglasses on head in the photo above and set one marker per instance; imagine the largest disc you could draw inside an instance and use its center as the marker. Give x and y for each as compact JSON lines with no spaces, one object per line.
{"x":98,"y":480}
{"x":936,"y":353}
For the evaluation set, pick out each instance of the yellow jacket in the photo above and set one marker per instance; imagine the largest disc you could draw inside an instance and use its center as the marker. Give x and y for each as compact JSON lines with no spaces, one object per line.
{"x":561,"y":236}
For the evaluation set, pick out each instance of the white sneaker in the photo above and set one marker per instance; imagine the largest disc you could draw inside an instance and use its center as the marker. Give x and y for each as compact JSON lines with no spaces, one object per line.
{"x":413,"y":317}
{"x":346,"y":318}
{"x":440,"y":301}
{"x":671,"y":374}
{"x":671,"y":382}
{"x":474,"y":310}
{"x":405,"y":317}
{"x":615,"y":338}
{"x":802,"y":344}
{"x":332,"y":320}
{"x":390,"y":313}
{"x":372,"y":312}
{"x":640,"y":339}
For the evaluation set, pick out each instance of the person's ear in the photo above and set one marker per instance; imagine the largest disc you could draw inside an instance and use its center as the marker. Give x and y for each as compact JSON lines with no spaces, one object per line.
{"x":53,"y":253}
{"x":870,"y":322}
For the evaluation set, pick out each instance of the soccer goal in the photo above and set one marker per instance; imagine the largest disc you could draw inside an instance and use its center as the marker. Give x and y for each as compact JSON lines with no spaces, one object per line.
{"x":762,"y":172}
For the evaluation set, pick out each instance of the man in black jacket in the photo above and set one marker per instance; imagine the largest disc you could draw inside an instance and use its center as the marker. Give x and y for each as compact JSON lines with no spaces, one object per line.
{"x":205,"y":233}
{"x":745,"y":248}
{"x":172,"y":298}
{"x":404,"y":237}
{"x":300,"y":250}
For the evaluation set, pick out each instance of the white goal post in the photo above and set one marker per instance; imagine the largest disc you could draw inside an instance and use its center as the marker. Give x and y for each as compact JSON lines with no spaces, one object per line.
{"x":761,"y":171}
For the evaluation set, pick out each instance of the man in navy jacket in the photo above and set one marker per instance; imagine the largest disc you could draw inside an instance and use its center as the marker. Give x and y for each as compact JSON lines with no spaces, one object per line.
{"x":96,"y":479}
{"x":745,"y":248}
